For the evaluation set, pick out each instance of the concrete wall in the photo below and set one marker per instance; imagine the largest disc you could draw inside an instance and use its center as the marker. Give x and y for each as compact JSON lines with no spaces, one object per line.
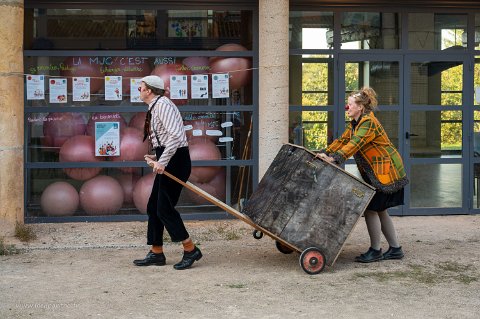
{"x":11,"y":115}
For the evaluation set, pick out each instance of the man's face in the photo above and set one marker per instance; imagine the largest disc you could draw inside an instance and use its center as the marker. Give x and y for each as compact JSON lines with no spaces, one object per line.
{"x":144,"y":91}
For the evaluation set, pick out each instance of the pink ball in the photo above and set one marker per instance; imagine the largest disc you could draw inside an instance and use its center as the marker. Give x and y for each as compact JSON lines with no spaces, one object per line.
{"x":197,"y":64}
{"x":132,"y":147}
{"x":102,"y":195}
{"x":128,"y":68}
{"x":138,"y":121}
{"x":59,"y":199}
{"x":127,"y":181}
{"x":58,"y":127}
{"x":83,"y":66}
{"x":105,"y":117}
{"x":216,"y":188}
{"x":202,"y":124}
{"x":238,"y":78}
{"x":80,"y":148}
{"x":203,"y":150}
{"x":142,"y":191}
{"x":166,"y":70}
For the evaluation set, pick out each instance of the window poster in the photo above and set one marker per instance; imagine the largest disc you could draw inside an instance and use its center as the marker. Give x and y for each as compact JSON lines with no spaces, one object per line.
{"x":58,"y":90}
{"x":107,"y":138}
{"x":220,"y":84}
{"x":200,"y":86}
{"x":135,"y":90}
{"x":178,"y":87}
{"x":113,"y":88}
{"x":35,"y":87}
{"x":81,"y":89}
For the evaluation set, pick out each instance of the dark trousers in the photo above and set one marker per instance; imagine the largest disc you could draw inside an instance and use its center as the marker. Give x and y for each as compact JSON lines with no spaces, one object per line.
{"x":165,"y":193}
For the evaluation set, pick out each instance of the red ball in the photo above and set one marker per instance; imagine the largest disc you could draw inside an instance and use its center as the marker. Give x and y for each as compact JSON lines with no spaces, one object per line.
{"x":166,"y":70}
{"x":83,"y":66}
{"x":132,"y":147}
{"x":197,"y":64}
{"x":58,"y":127}
{"x":80,"y":148}
{"x":142,"y":191}
{"x":216,"y":188}
{"x":59,"y":199}
{"x":197,"y":125}
{"x":105,"y":117}
{"x":203,"y":150}
{"x":138,"y":120}
{"x":128,"y":68}
{"x":242,"y":75}
{"x":102,"y":195}
{"x":127,"y":181}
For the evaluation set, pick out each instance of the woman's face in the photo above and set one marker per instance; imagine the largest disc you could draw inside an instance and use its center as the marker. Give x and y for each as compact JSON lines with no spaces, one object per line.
{"x":354,"y":110}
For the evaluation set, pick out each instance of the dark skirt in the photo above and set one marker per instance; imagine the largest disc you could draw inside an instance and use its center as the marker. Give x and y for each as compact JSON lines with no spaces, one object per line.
{"x":382,"y":201}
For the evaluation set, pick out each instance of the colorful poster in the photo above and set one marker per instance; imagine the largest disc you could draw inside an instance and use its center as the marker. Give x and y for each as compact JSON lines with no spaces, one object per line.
{"x":58,"y":90}
{"x":220,"y":85}
{"x":135,"y":90}
{"x":178,"y":87}
{"x":107,"y":139}
{"x":200,"y":86}
{"x":113,"y":88}
{"x":81,"y":89}
{"x":35,"y":87}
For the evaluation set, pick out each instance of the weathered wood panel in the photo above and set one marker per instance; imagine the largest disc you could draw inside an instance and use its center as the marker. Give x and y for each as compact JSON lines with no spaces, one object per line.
{"x":308,"y":202}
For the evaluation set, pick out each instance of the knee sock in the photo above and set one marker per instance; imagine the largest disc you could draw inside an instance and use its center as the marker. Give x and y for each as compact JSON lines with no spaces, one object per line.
{"x":188,"y":245}
{"x":388,"y":229}
{"x":157,"y":249}
{"x":373,"y":227}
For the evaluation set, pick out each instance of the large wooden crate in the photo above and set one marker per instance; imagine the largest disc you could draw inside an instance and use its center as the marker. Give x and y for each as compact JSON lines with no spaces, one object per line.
{"x":308,"y":202}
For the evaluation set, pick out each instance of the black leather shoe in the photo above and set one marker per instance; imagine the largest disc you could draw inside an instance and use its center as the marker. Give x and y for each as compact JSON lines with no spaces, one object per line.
{"x":151,"y":259}
{"x":370,"y":256}
{"x":188,"y":259}
{"x":393,"y":253}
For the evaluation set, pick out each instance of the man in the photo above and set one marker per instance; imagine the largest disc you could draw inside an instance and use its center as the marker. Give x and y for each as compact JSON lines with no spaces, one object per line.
{"x":165,"y":130}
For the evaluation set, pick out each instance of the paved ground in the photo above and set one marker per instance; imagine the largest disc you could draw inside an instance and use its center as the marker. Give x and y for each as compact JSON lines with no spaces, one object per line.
{"x":85,"y":270}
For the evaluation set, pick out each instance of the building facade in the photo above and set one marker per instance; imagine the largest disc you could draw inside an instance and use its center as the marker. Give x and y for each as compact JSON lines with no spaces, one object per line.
{"x":247,"y":76}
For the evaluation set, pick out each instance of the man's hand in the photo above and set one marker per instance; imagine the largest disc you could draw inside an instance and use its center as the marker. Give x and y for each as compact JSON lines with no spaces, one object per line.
{"x":157,"y":167}
{"x":150,"y":156}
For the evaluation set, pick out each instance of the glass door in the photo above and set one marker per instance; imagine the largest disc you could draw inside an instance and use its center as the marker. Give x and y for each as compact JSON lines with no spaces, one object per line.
{"x":383,"y":73}
{"x":435,"y":134}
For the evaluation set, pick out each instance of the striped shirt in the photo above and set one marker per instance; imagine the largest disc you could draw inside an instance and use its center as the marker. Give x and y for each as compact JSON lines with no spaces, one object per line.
{"x":167,"y":123}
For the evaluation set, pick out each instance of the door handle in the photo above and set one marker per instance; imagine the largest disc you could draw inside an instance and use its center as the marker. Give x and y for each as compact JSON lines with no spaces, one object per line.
{"x":408,"y":135}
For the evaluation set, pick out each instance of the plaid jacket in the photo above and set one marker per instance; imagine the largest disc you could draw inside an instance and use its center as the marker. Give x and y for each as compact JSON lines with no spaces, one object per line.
{"x":377,"y":159}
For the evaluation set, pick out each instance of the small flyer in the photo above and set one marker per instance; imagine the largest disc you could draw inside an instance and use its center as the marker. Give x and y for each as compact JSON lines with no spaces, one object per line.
{"x":35,"y":87}
{"x":200,"y":86}
{"x":58,"y":90}
{"x":107,"y":139}
{"x":135,"y":90}
{"x":178,"y":87}
{"x":220,"y":85}
{"x":81,"y":89}
{"x":113,"y":88}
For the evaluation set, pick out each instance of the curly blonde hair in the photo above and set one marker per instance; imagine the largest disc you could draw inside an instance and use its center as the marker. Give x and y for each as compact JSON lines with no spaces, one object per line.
{"x":367,"y":97}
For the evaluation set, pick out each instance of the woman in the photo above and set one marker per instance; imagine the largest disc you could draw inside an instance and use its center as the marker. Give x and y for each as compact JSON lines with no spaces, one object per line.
{"x":379,"y":164}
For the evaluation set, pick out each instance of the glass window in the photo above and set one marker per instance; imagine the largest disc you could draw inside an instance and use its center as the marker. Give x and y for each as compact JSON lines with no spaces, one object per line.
{"x":437,"y":83}
{"x":437,"y":31}
{"x":110,"y":29}
{"x":476,"y":79}
{"x":311,"y":129}
{"x":370,"y":30}
{"x":311,"y":30}
{"x":477,"y":31}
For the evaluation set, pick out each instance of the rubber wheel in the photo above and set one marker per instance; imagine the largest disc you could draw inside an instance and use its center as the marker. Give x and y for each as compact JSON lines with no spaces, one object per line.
{"x":312,"y":260}
{"x":282,"y":248}
{"x":257,"y":234}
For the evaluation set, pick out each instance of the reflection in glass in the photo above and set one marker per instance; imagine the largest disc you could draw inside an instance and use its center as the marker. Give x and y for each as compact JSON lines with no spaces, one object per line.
{"x":437,"y":31}
{"x":476,"y":80}
{"x":311,"y":129}
{"x":436,"y":185}
{"x":370,"y":30}
{"x":311,"y":30}
{"x":477,"y":31}
{"x":437,"y":83}
{"x":476,"y":133}
{"x":382,"y":76}
{"x":435,"y":134}
{"x":476,"y":185}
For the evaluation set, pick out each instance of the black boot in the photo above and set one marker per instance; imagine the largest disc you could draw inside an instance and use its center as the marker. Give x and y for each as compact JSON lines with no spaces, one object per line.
{"x":394,"y":253}
{"x":370,"y":256}
{"x":188,"y":259}
{"x":151,"y":259}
